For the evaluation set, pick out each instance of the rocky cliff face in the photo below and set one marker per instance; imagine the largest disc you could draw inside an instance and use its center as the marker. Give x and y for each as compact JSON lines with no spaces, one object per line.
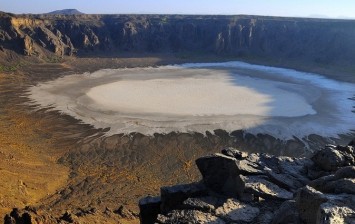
{"x":319,"y":41}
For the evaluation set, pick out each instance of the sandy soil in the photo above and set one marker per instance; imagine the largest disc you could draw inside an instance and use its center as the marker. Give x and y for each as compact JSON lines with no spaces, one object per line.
{"x":28,"y":162}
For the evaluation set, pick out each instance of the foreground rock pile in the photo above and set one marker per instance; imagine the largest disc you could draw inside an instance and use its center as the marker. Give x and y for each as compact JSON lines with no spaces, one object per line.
{"x":259,"y":188}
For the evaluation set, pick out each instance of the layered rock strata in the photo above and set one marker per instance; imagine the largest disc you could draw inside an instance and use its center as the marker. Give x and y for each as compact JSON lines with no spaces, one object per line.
{"x":315,"y":41}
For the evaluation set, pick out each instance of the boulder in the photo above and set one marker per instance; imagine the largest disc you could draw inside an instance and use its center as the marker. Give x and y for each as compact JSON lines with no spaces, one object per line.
{"x":287,"y":213}
{"x":9,"y":220}
{"x":247,"y":167}
{"x":235,"y":153}
{"x":67,"y":217}
{"x":308,"y":201}
{"x":172,"y":197}
{"x":149,"y":208}
{"x":124,"y":212}
{"x":287,"y":172}
{"x":17,"y":216}
{"x":265,"y":217}
{"x":343,"y":185}
{"x":204,"y":204}
{"x":345,"y":172}
{"x":335,"y":212}
{"x":236,"y":211}
{"x":220,"y":174}
{"x":188,"y":217}
{"x":285,"y":181}
{"x":264,"y":189}
{"x":343,"y":181}
{"x":346,"y":149}
{"x":316,"y":207}
{"x":315,"y":172}
{"x":260,"y":186}
{"x":330,"y":159}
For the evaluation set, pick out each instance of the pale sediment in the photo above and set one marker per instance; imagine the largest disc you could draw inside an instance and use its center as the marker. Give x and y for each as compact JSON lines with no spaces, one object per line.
{"x":204,"y":97}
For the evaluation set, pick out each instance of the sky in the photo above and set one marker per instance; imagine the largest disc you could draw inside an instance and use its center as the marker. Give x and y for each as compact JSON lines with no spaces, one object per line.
{"x":295,"y":8}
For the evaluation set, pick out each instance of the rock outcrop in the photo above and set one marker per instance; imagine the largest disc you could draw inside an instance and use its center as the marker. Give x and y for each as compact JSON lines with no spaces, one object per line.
{"x":259,"y":188}
{"x":317,"y":41}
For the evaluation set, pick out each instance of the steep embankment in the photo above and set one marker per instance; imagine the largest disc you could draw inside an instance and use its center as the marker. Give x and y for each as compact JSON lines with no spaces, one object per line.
{"x":273,"y":40}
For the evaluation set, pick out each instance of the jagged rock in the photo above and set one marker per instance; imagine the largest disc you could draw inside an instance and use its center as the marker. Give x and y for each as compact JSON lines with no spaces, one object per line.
{"x":327,"y":199}
{"x":347,"y":149}
{"x":287,"y":172}
{"x":285,"y":180}
{"x":330,"y":159}
{"x":204,"y":204}
{"x":68,"y":217}
{"x":319,"y":183}
{"x":261,"y":187}
{"x":315,"y":172}
{"x":27,"y":218}
{"x":233,"y":152}
{"x":343,"y":185}
{"x":287,"y":213}
{"x":236,"y":211}
{"x":248,"y":197}
{"x":189,"y":217}
{"x":15,"y":214}
{"x":9,"y":220}
{"x":335,"y":212}
{"x":173,"y":197}
{"x":86,"y":211}
{"x":265,"y":217}
{"x":343,"y":181}
{"x":293,"y":168}
{"x":18,"y":217}
{"x":315,"y":207}
{"x":124,"y":212}
{"x":28,"y":46}
{"x":345,"y":172}
{"x":247,"y":167}
{"x":149,"y":209}
{"x":308,"y":201}
{"x":220,"y":173}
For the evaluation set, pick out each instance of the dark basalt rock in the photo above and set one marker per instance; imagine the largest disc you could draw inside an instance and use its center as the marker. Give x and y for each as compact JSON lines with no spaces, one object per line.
{"x":172,"y":197}
{"x":287,"y":213}
{"x":252,"y":188}
{"x":204,"y":204}
{"x":316,"y":207}
{"x":235,"y":211}
{"x":221,"y":174}
{"x":67,"y":217}
{"x":331,"y":158}
{"x":345,"y":172}
{"x":308,"y":201}
{"x":233,"y":152}
{"x":188,"y":217}
{"x":260,"y":186}
{"x":149,"y":209}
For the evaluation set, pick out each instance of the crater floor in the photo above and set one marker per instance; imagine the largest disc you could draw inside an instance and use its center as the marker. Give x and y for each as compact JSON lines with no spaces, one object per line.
{"x":204,"y":97}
